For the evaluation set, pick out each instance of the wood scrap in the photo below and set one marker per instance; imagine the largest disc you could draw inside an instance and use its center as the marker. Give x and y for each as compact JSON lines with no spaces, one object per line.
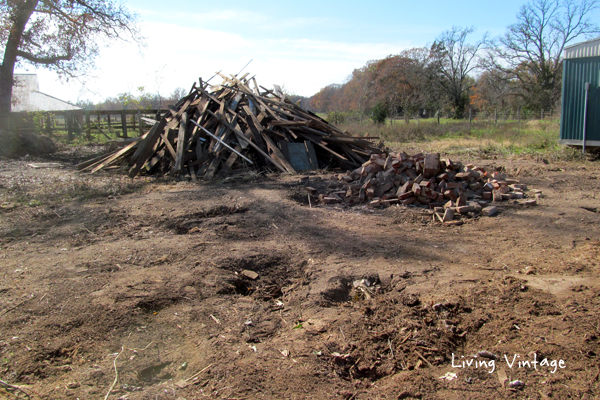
{"x":229,"y":127}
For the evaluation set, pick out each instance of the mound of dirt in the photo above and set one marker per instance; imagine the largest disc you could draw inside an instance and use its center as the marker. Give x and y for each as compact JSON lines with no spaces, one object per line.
{"x":18,"y":144}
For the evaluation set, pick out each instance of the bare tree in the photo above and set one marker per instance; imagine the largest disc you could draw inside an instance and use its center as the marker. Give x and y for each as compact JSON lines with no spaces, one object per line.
{"x":531,"y":49}
{"x":61,"y":35}
{"x":494,"y":89}
{"x":455,"y":59}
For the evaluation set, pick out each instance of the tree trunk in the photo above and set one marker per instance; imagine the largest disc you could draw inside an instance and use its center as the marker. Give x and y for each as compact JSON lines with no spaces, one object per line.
{"x":19,"y":21}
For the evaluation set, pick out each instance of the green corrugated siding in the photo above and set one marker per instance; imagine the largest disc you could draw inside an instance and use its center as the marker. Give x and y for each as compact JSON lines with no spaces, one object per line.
{"x":576,"y":72}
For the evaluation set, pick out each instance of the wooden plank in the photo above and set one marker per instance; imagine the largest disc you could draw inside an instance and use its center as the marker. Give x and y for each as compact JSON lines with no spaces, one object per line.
{"x":102,"y":132}
{"x":181,"y":142}
{"x":212,"y":168}
{"x":224,"y":144}
{"x":230,"y":161}
{"x":254,"y":132}
{"x":290,"y":123}
{"x":258,"y":127}
{"x":116,"y":155}
{"x":340,"y":157}
{"x":312,"y":155}
{"x":146,"y":148}
{"x":93,"y":161}
{"x":277,"y":154}
{"x":348,"y":150}
{"x":167,"y":142}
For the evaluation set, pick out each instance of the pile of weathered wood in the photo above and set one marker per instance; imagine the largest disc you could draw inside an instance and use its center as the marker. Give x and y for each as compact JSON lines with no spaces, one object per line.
{"x":448,"y":188}
{"x":214,"y":132}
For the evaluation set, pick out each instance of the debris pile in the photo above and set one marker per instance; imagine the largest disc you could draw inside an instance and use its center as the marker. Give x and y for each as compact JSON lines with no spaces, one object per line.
{"x":19,"y":144}
{"x":448,"y":188}
{"x":233,"y":127}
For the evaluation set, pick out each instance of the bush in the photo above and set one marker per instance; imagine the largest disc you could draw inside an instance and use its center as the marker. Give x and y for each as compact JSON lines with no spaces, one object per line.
{"x":18,"y":144}
{"x":379,"y":113}
{"x":335,"y":117}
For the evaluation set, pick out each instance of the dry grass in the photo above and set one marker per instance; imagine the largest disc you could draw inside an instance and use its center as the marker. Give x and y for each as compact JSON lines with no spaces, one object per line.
{"x":22,"y":186}
{"x":480,"y":138}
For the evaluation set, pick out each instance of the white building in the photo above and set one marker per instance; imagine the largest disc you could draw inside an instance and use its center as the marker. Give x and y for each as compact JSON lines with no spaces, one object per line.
{"x":27,"y":97}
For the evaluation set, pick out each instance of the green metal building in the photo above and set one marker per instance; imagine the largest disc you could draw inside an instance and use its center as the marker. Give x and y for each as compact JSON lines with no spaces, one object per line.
{"x":580,"y":116}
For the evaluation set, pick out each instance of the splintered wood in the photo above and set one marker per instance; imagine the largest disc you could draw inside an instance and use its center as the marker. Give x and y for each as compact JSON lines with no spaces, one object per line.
{"x":451,"y":190}
{"x":233,"y":127}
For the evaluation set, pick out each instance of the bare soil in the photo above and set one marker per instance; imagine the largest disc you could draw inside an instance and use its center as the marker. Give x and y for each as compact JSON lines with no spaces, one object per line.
{"x":140,"y":295}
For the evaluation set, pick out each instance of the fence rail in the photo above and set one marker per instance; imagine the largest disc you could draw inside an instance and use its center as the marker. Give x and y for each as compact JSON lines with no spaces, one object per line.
{"x":130,"y":123}
{"x":122,"y":123}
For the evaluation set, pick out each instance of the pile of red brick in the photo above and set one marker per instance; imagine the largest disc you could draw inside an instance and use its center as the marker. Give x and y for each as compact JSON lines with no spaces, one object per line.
{"x":449,"y":188}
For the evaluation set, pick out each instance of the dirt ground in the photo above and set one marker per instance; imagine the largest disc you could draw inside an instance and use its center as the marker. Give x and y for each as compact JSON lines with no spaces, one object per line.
{"x":135,"y":290}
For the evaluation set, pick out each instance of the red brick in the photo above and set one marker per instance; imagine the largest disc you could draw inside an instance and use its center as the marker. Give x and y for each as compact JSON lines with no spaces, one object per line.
{"x":406,"y":195}
{"x":496,"y":196}
{"x":404,"y":188}
{"x":449,"y":194}
{"x":416,"y":189}
{"x":464,"y":209}
{"x":454,"y":185}
{"x":463,"y":176}
{"x":408,"y":201}
{"x":489,"y":211}
{"x":448,"y":215}
{"x":423,"y":199}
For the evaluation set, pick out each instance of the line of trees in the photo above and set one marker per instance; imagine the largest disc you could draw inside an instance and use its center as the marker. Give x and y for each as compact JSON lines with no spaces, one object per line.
{"x":520,"y":69}
{"x":138,"y":100}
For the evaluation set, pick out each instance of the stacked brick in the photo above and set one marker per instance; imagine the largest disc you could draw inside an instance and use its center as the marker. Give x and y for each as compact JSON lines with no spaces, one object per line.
{"x":447,"y":187}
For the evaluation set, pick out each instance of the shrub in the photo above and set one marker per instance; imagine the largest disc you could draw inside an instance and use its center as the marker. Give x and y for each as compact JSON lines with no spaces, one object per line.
{"x":379,"y":113}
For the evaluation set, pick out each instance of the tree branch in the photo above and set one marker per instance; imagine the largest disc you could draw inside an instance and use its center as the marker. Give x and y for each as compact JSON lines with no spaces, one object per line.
{"x":43,"y":60}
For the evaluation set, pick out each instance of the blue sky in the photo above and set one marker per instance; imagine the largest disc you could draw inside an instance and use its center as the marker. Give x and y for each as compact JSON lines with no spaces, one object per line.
{"x":302,"y":45}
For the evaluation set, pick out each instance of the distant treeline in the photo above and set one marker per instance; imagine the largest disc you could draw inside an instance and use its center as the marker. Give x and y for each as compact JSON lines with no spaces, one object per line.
{"x":520,"y":70}
{"x":141,"y":100}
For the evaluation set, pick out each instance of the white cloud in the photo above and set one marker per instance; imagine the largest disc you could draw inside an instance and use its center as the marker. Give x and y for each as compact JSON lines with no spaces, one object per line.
{"x":177,"y":56}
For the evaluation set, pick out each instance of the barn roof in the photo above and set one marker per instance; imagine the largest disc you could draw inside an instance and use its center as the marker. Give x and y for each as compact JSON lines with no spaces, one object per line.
{"x":27,"y":96}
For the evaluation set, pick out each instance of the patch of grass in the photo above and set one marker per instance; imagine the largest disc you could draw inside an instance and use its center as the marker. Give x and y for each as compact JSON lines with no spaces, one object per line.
{"x":62,"y":138}
{"x":480,"y":138}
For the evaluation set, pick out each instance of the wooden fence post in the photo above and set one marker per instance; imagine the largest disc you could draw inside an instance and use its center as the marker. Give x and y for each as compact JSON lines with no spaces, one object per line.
{"x":88,"y":125}
{"x":470,"y":115}
{"x":139,"y":114}
{"x":496,"y":116}
{"x":124,"y":123}
{"x":69,"y":122}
